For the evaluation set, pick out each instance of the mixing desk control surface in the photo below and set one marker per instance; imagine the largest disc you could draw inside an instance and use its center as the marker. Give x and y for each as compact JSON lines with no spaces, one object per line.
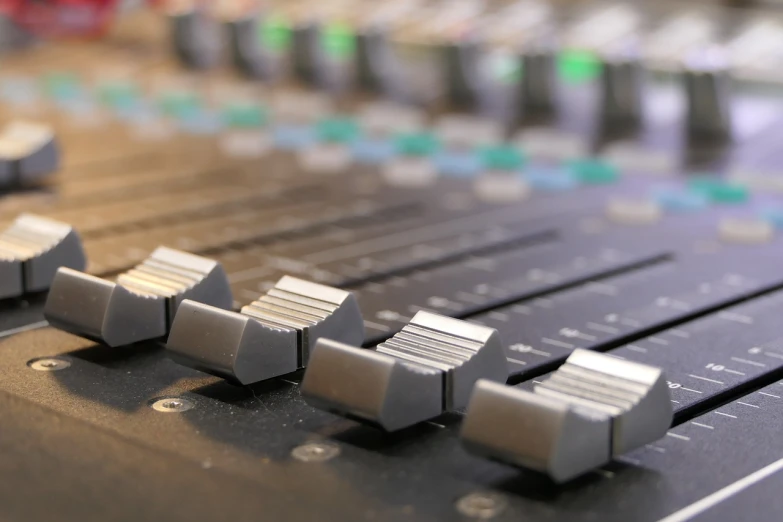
{"x":407,"y":261}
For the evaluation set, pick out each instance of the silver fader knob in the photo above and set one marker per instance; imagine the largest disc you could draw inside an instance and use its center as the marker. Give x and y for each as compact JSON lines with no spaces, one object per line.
{"x":708,"y":96}
{"x":143,"y":301}
{"x":427,"y":368}
{"x":31,"y":251}
{"x":539,"y":81}
{"x":591,"y":409}
{"x":462,"y":75}
{"x":246,"y":51}
{"x":270,"y":337}
{"x":28,"y":152}
{"x":621,"y":90}
{"x":371,"y":59}
{"x":306,"y":58}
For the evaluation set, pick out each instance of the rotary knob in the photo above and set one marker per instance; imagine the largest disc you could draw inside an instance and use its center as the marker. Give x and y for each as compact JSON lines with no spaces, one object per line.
{"x":708,"y":96}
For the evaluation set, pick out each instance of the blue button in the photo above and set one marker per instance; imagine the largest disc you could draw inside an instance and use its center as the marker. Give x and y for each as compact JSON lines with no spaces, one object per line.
{"x":462,"y":164}
{"x":550,"y":179}
{"x":371,"y":150}
{"x":19,"y":90}
{"x":201,"y":123}
{"x":293,"y":137}
{"x":773,"y":215}
{"x":680,"y":200}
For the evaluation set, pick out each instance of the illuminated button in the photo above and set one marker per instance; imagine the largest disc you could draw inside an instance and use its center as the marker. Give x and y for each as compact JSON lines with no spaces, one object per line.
{"x":179,"y":104}
{"x":119,"y":96}
{"x":772,"y":214}
{"x":367,"y":149}
{"x":275,"y":33}
{"x":593,"y":171}
{"x":62,"y":87}
{"x":719,"y":191}
{"x":416,"y":144}
{"x":457,"y":163}
{"x":294,"y":115}
{"x":337,"y":130}
{"x":749,"y":231}
{"x":578,"y":66}
{"x":501,"y":187}
{"x":633,"y":211}
{"x":246,"y":135}
{"x":244,"y":116}
{"x":549,"y":179}
{"x":338,"y":40}
{"x":679,"y":200}
{"x":202,"y":122}
{"x":501,"y":157}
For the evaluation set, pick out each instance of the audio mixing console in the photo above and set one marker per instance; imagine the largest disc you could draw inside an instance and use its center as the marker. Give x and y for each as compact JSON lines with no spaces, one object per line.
{"x":394,"y":261}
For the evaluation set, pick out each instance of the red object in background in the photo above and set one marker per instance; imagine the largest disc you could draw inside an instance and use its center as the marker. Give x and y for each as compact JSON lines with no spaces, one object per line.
{"x":61,"y":18}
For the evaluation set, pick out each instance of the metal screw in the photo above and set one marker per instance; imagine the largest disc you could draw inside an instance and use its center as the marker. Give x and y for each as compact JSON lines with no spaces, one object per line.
{"x":172,"y":405}
{"x":315,"y":452}
{"x":481,"y":504}
{"x":48,"y":364}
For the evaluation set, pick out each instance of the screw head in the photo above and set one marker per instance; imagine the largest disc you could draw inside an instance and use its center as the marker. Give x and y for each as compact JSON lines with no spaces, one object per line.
{"x":48,"y":364}
{"x":482,"y":504}
{"x":172,"y":405}
{"x":315,"y":452}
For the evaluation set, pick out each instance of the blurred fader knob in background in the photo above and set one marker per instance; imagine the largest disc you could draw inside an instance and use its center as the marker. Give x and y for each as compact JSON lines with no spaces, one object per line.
{"x":538,"y":96}
{"x":426,"y":369}
{"x":143,"y":301}
{"x":372,"y":58}
{"x":306,"y":52}
{"x":245,"y":46}
{"x":28,"y":152}
{"x":31,"y":251}
{"x":621,"y":90}
{"x":593,"y":408}
{"x":195,"y":35}
{"x":708,"y":95}
{"x":462,"y":75}
{"x":272,"y":336}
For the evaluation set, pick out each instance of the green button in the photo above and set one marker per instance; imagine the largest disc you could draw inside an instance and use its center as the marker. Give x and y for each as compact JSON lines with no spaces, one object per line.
{"x":119,"y":95}
{"x":416,"y":144}
{"x":337,"y":130}
{"x":593,"y":172}
{"x":275,"y":33}
{"x":501,"y":157}
{"x":61,"y":85}
{"x":245,"y":116}
{"x":179,"y":104}
{"x":578,"y":66}
{"x":719,"y":191}
{"x":339,"y":40}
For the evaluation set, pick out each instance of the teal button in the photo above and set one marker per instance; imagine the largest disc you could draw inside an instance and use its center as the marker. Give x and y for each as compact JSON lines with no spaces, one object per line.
{"x":337,"y":130}
{"x":119,"y":95}
{"x":245,"y":116}
{"x":179,"y":104}
{"x":416,"y":144}
{"x":593,"y":171}
{"x":62,"y":86}
{"x":718,"y":190}
{"x":501,"y":157}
